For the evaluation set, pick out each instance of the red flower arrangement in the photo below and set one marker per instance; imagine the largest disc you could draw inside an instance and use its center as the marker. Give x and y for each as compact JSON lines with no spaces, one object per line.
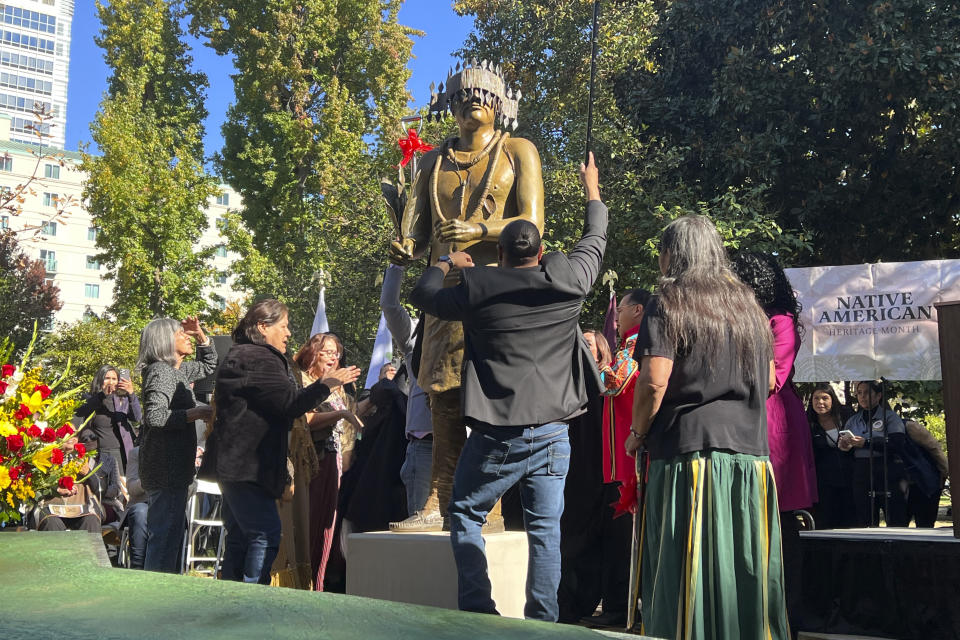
{"x":35,"y":459}
{"x":14,"y":443}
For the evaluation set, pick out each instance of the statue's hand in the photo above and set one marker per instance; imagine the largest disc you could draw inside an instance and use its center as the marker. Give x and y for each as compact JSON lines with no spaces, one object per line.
{"x":401,"y":253}
{"x":458,"y":231}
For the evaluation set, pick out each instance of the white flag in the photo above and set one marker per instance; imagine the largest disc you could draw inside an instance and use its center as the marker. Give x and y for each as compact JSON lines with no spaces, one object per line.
{"x":382,"y":353}
{"x":320,"y":318}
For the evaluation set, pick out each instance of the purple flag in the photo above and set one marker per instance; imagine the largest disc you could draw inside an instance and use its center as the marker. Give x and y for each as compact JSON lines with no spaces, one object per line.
{"x":610,"y":323}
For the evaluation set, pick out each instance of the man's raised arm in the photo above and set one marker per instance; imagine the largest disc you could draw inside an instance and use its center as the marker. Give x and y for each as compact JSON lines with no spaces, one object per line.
{"x":587,"y":255}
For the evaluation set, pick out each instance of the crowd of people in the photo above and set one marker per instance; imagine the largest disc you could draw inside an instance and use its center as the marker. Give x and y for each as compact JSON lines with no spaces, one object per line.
{"x":693,"y":409}
{"x":871,"y":460}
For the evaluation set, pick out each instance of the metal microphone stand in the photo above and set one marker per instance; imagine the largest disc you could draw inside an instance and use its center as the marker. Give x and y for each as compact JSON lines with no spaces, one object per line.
{"x":886,"y":471}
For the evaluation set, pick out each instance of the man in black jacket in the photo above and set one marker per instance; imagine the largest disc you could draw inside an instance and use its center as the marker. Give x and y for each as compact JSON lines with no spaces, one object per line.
{"x":526,"y":371}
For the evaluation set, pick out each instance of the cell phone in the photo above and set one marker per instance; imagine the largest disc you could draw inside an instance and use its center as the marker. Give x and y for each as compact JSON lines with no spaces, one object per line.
{"x":847,"y":432}
{"x":124,"y":374}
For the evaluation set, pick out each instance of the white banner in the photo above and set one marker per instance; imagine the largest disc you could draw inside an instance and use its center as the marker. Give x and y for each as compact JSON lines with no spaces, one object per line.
{"x":865,"y":321}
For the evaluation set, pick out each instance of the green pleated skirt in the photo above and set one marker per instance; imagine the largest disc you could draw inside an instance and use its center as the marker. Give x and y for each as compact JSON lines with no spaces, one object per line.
{"x":710,"y":557}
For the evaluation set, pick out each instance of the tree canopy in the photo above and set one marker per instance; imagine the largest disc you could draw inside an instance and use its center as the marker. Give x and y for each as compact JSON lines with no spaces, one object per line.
{"x":26,"y":296}
{"x":88,"y":345}
{"x":148,"y":189}
{"x":319,"y":93}
{"x":846,"y":113}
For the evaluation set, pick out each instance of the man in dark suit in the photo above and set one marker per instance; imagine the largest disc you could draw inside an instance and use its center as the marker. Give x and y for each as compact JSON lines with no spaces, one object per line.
{"x":526,"y":371}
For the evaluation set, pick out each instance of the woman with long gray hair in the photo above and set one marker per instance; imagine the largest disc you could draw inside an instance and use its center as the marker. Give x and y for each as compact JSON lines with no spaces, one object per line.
{"x":168,"y":447}
{"x":711,"y":564}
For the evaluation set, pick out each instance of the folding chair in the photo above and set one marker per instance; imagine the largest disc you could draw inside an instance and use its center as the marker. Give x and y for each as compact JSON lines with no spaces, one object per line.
{"x":198,"y":526}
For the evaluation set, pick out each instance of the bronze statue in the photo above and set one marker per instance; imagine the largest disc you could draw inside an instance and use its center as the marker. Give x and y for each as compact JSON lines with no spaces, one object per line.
{"x":464,"y":194}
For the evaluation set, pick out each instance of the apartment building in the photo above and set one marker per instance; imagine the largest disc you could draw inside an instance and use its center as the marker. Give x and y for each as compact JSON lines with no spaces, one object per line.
{"x":35,"y":66}
{"x":67,"y":246}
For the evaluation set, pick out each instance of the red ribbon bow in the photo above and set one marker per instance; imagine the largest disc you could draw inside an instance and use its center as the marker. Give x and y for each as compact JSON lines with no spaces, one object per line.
{"x":410,"y":145}
{"x":628,"y":502}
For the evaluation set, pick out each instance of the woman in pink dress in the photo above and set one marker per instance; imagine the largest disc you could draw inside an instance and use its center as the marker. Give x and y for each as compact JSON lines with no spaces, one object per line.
{"x":791,"y":447}
{"x":788,"y":433}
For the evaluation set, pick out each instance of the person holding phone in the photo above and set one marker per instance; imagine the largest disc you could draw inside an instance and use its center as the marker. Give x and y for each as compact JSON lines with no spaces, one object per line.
{"x":168,"y":448}
{"x":833,"y":458}
{"x":115,"y":408}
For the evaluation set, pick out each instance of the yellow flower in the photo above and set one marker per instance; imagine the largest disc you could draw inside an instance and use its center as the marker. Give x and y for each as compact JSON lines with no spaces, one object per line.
{"x":33,"y":402}
{"x":23,"y":491}
{"x":4,"y":477}
{"x":7,"y":429}
{"x":41,"y":459}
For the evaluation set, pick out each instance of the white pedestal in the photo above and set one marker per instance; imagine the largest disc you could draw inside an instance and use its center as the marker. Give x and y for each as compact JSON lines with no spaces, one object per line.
{"x":418,"y":568}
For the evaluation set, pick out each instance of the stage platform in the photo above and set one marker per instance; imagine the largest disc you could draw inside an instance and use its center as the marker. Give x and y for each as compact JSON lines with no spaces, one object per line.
{"x":58,"y":585}
{"x":881,"y":583}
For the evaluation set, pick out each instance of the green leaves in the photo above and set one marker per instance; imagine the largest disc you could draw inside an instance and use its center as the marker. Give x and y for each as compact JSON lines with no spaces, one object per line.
{"x":148,"y":189}
{"x":320,"y":90}
{"x":87,"y":345}
{"x":845,"y":111}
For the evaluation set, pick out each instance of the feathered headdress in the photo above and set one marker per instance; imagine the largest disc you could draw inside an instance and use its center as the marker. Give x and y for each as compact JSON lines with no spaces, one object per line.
{"x":485,"y":81}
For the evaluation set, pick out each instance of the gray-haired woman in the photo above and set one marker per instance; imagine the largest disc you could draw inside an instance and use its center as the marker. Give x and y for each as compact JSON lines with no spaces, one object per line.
{"x":169,"y":442}
{"x":711,"y":563}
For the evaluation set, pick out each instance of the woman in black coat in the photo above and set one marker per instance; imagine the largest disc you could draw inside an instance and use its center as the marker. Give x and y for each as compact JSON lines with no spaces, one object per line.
{"x":114,"y":406}
{"x":834,"y":460}
{"x":256,"y":402}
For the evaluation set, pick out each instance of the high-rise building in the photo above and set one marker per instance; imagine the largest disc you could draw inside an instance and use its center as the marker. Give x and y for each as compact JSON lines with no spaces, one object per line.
{"x":67,"y":245}
{"x":34,"y":66}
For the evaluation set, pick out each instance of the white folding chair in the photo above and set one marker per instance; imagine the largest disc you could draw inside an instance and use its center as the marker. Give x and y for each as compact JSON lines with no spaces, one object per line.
{"x":195,"y":525}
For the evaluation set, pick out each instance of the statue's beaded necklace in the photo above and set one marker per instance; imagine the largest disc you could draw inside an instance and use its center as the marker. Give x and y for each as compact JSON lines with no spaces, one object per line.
{"x":494,"y":149}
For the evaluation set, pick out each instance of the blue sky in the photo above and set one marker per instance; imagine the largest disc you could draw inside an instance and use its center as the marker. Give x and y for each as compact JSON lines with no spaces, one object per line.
{"x":445,"y":32}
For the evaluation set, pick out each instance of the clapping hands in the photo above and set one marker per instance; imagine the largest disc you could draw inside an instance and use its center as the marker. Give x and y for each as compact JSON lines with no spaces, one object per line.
{"x":341,"y":376}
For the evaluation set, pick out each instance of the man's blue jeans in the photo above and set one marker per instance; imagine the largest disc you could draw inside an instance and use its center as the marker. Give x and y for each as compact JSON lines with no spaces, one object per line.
{"x":166,"y":526}
{"x":253,"y":532}
{"x":415,"y":472}
{"x":493,"y":460}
